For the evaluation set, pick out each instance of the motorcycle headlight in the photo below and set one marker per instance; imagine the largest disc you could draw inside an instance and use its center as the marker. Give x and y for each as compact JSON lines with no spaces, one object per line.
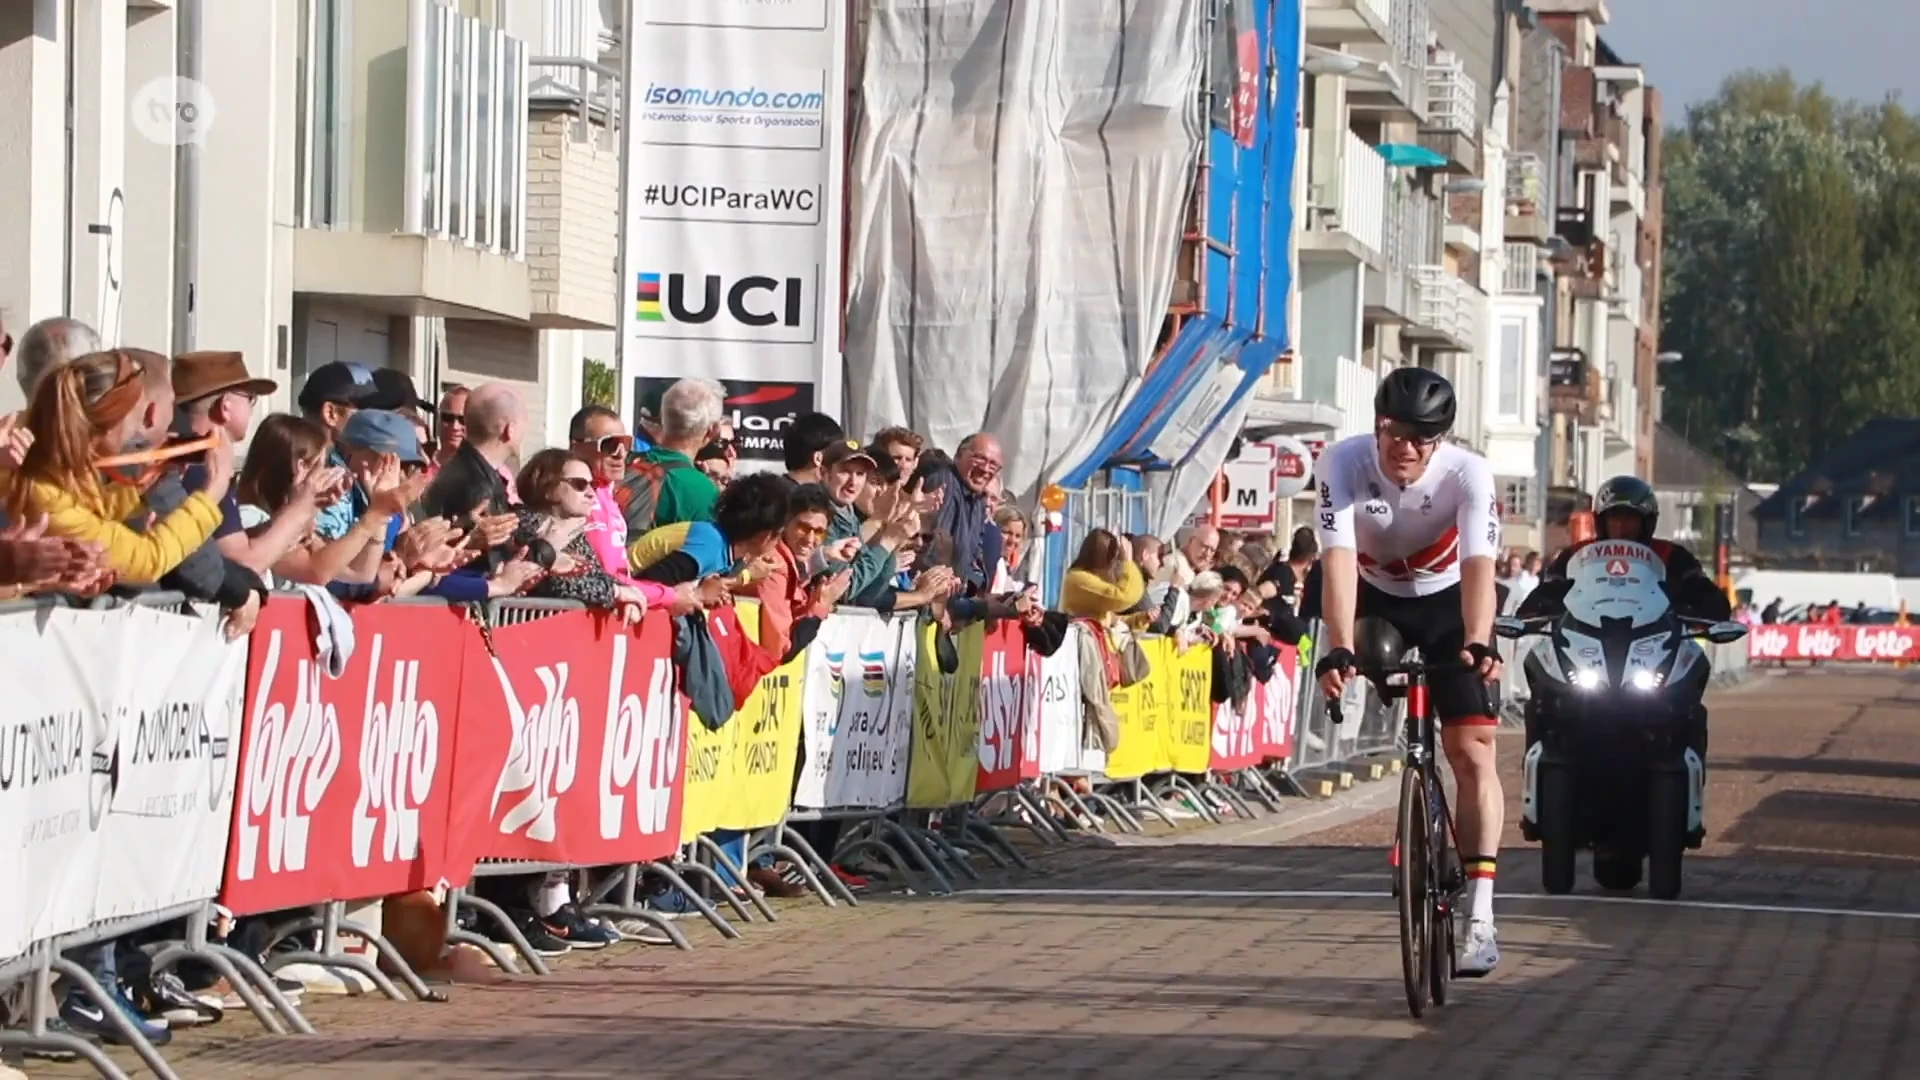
{"x":1587,"y":679}
{"x":1642,"y":679}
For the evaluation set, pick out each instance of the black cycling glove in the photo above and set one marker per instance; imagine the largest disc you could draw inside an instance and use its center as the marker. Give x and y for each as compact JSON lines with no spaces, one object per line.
{"x":1481,"y":653}
{"x":1335,"y":660}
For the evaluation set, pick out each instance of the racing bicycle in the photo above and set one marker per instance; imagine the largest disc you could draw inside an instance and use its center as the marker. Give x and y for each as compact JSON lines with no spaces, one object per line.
{"x":1428,"y":875}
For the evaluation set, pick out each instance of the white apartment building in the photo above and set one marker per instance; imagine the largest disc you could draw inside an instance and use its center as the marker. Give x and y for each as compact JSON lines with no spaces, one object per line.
{"x":422,"y":184}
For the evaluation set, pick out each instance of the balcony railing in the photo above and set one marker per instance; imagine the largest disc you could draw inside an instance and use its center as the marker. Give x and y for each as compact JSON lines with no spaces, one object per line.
{"x":1447,"y":305}
{"x":1526,"y":183}
{"x":1452,"y":99}
{"x":1522,"y":274}
{"x":466,"y":148}
{"x":1363,"y":191}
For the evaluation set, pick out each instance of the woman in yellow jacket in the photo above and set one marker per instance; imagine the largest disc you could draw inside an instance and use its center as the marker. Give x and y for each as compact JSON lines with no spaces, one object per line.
{"x":1103,"y":580}
{"x":89,"y":409}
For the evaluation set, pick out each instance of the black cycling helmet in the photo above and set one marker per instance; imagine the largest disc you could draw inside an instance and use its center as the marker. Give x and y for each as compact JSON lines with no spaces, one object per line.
{"x":1417,"y":397}
{"x":1629,"y":493}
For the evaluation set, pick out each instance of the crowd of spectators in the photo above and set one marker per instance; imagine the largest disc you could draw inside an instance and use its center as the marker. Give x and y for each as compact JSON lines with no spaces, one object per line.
{"x":122,"y":475}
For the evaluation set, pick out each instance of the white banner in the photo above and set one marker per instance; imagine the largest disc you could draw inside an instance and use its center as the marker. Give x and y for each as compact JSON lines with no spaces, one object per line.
{"x":55,"y":747}
{"x":858,"y":703}
{"x":734,"y":206}
{"x":1060,"y":706}
{"x":166,"y":832}
{"x":116,"y":770}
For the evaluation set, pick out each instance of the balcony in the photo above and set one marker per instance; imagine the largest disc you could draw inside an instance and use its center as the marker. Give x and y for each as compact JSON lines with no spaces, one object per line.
{"x":1622,"y":416}
{"x":1403,"y":98}
{"x":1347,"y":213}
{"x":1334,"y":23}
{"x":1522,"y":274}
{"x":1574,"y":386}
{"x":423,"y":210}
{"x":1452,"y":129}
{"x":1446,"y":311}
{"x":1527,"y":199}
{"x":1410,"y":238}
{"x":1579,"y":90}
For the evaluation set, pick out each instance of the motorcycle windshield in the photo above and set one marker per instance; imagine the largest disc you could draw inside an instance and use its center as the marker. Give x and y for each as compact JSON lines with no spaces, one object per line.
{"x":1617,"y":579}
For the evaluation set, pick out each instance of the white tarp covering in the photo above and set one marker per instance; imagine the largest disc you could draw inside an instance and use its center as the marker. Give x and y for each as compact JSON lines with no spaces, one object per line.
{"x":1018,"y":187}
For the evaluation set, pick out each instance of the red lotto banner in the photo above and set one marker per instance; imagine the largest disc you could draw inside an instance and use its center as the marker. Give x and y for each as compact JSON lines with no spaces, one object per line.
{"x":572,"y":744}
{"x":345,"y":775}
{"x":569,"y":746}
{"x":1818,"y":641}
{"x":1262,"y":730}
{"x":1009,"y":747}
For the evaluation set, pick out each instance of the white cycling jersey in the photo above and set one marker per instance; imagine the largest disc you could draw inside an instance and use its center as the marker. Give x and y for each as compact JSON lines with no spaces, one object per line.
{"x":1408,"y":540}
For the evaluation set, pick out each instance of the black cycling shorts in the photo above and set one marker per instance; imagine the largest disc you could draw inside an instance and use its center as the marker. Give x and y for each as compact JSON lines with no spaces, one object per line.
{"x":1433,"y":625}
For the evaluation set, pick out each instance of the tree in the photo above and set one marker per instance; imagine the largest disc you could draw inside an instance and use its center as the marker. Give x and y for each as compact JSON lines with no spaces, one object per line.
{"x":597,"y":386}
{"x":1792,"y":270}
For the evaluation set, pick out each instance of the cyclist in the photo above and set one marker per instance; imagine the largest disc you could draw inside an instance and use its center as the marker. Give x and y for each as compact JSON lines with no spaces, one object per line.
{"x":1625,"y":509}
{"x":1410,"y":525}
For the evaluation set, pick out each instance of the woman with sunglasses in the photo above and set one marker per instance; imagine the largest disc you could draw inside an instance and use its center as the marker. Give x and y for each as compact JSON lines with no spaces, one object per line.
{"x":83,"y":412}
{"x":556,"y":489}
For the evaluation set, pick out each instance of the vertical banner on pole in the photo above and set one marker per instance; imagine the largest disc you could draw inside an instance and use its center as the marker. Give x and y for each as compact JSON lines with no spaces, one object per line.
{"x":734,"y":206}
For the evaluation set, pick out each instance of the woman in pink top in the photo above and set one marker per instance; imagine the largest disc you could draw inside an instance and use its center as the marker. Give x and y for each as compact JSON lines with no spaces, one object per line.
{"x":600,"y":439}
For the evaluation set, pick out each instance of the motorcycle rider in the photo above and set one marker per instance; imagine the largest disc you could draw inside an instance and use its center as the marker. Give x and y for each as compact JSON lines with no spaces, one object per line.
{"x":1625,"y":508}
{"x":1409,"y":527}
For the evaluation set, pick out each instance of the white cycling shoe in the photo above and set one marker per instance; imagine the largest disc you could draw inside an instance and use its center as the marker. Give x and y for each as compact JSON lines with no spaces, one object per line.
{"x":1480,"y":952}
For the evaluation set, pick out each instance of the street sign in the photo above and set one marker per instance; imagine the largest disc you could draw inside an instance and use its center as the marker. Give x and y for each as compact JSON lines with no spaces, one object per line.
{"x":1251,"y":500}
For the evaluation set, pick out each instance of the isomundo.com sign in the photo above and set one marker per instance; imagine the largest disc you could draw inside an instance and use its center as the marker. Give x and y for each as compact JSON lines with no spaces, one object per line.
{"x":733,"y":193}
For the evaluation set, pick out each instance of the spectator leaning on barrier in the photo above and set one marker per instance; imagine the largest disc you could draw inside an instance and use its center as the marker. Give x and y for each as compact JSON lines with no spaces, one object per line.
{"x":558,"y":493}
{"x":1103,"y":579}
{"x":900,"y":446}
{"x":91,"y":409}
{"x":963,"y":512}
{"x":807,"y":438}
{"x":474,"y":489}
{"x":333,"y":392}
{"x":283,"y":488}
{"x":792,"y":601}
{"x":205,"y":574}
{"x":737,"y":546}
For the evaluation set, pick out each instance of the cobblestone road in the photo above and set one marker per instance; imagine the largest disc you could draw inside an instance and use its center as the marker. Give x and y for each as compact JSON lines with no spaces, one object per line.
{"x":1143,"y":961}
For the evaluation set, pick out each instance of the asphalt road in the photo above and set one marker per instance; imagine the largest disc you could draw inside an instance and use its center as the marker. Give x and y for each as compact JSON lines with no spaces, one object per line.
{"x":1258,"y":951}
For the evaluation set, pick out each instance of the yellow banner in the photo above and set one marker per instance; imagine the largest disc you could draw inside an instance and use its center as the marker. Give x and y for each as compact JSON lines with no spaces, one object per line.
{"x":945,"y":761}
{"x":1166,"y":719}
{"x":741,"y":776}
{"x":1142,"y":709}
{"x":1189,"y":727}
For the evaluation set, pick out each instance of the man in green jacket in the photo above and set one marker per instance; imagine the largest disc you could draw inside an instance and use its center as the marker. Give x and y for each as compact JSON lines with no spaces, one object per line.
{"x":690,"y":413}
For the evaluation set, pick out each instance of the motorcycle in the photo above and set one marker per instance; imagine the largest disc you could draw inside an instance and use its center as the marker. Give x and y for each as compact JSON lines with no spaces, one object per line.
{"x":1616,"y":730}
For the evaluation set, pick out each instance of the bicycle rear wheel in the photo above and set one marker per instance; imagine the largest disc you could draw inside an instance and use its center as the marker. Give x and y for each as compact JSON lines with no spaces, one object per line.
{"x":1410,"y":878}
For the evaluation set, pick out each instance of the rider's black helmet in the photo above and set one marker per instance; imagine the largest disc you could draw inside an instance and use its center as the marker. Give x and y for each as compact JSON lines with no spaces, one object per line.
{"x":1629,"y":493}
{"x":1417,"y":397}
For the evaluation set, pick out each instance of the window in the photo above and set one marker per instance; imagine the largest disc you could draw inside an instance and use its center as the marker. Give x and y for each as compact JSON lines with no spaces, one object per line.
{"x":466,"y":130}
{"x":326,"y":139}
{"x":1516,"y":498}
{"x":1913,"y":515}
{"x":1795,"y":527}
{"x":1850,"y":511}
{"x":1513,"y":355}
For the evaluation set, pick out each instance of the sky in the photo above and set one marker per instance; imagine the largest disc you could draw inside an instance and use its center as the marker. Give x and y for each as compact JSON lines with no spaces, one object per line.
{"x":1858,"y":48}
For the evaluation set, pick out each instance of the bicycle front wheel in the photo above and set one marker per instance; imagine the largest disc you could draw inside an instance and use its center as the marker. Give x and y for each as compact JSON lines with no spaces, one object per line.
{"x":1410,"y":879}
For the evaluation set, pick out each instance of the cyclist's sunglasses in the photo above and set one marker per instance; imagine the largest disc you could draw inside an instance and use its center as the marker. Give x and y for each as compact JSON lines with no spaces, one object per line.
{"x":1410,"y":433}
